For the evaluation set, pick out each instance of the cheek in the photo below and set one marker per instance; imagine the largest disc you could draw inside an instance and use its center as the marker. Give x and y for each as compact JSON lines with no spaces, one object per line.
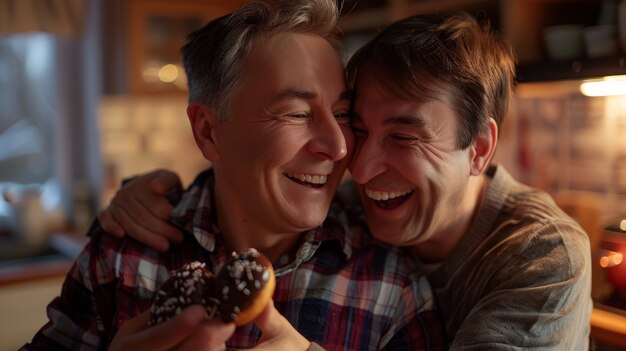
{"x":411,"y":164}
{"x":268,"y":145}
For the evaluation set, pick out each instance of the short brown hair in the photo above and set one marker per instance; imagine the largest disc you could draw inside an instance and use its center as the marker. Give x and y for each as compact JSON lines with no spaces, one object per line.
{"x":426,"y":57}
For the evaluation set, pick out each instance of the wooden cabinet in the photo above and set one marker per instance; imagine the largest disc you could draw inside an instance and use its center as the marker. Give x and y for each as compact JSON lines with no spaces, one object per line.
{"x":521,"y":21}
{"x":156,"y":30}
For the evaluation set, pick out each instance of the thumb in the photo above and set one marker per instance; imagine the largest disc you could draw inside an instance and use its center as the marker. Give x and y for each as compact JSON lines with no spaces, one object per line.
{"x":270,"y":322}
{"x":138,"y":323}
{"x":277,"y":333}
{"x":163,"y":181}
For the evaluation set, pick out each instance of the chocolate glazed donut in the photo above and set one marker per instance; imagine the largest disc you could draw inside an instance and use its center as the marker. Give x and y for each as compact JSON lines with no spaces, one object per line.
{"x":245,"y":286}
{"x":239,"y":292}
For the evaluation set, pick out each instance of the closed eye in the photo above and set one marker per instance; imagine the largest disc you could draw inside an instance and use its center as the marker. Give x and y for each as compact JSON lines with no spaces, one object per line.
{"x":403,"y":137}
{"x":342,"y":117}
{"x":298,"y":115}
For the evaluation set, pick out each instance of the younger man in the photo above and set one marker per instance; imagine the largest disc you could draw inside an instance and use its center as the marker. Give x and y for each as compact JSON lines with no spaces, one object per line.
{"x":510,"y":270}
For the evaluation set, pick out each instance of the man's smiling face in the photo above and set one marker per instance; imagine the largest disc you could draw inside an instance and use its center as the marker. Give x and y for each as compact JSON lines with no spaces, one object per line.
{"x":283,"y":153}
{"x":411,"y":174}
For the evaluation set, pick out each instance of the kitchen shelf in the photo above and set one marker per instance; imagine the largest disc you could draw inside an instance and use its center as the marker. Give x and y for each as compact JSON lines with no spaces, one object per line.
{"x":569,"y":70}
{"x":157,"y":29}
{"x":371,"y":16}
{"x":521,"y":21}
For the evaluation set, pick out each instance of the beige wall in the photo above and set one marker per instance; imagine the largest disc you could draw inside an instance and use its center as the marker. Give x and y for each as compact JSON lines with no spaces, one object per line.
{"x":23,"y":309}
{"x":139,"y":134}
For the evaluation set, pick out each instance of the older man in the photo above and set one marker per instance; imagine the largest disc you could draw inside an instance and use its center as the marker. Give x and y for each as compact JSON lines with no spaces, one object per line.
{"x":277,"y":136}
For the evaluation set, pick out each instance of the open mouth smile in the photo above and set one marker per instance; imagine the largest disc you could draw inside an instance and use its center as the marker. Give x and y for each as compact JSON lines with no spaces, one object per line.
{"x":310,"y":180}
{"x":388,"y":199}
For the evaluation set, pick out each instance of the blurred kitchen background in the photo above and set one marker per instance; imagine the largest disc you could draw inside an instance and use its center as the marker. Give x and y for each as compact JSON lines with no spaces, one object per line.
{"x":92,"y":92}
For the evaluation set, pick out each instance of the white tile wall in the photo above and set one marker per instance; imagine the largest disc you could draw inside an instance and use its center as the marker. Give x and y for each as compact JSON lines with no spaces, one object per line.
{"x":562,"y":142}
{"x":139,"y":134}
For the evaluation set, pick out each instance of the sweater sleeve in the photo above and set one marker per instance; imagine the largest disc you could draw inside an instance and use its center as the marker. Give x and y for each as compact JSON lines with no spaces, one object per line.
{"x":538,"y":297}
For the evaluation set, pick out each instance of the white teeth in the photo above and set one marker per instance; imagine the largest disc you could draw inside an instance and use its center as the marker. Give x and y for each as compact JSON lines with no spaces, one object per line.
{"x":308,"y":178}
{"x":385,"y":195}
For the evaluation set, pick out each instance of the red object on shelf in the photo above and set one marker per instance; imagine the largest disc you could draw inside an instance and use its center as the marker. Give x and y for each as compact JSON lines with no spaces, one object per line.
{"x":615,"y":242}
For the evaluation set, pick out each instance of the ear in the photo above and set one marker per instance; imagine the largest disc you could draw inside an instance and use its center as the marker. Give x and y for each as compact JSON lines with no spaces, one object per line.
{"x":483,"y":148}
{"x":203,"y":123}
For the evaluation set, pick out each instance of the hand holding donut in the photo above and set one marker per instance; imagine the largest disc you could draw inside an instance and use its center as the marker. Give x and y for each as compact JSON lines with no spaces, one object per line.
{"x":189,"y":330}
{"x":277,"y":333}
{"x":240,"y":293}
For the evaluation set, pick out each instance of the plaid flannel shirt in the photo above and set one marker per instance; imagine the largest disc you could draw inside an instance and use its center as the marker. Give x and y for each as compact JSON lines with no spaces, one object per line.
{"x":343,"y":290}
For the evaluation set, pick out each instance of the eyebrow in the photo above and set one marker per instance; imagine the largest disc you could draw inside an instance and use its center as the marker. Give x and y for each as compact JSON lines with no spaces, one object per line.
{"x":288,"y":94}
{"x":409,"y":121}
{"x":416,"y":122}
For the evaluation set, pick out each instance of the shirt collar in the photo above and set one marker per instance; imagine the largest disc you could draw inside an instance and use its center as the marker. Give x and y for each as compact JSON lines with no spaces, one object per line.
{"x":195,"y":214}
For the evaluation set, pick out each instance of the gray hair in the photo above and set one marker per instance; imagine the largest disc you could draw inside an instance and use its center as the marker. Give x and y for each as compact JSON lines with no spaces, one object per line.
{"x":214,"y":56}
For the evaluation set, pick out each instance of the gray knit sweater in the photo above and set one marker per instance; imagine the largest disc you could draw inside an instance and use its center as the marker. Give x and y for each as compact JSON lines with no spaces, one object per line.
{"x":520,"y":278}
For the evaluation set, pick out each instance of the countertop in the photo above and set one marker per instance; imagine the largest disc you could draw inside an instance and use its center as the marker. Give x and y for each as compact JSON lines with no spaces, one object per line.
{"x":53,"y":261}
{"x":609,"y":326}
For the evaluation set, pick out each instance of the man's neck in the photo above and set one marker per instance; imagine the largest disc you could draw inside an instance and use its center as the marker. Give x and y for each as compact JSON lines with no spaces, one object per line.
{"x":240,"y":233}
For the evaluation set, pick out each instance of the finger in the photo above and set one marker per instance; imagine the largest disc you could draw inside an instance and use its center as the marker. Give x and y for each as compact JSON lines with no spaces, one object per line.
{"x":150,"y":217}
{"x":142,"y":202}
{"x":144,"y":214}
{"x":139,"y":192}
{"x":137,"y":231}
{"x":109,"y":224}
{"x":277,"y":332}
{"x":211,"y":335}
{"x":128,"y":336}
{"x":141,"y":221}
{"x":164,"y":181}
{"x":270,"y":321}
{"x":169,"y":334}
{"x":136,"y":324}
{"x":159,"y":227}
{"x":153,"y":212}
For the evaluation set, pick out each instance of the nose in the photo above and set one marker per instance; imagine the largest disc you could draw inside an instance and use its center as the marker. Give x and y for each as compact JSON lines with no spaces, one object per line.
{"x":368,"y":160}
{"x":329,"y":141}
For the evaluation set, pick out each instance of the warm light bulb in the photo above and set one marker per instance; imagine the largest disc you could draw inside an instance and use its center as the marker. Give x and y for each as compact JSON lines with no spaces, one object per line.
{"x":604,"y":261}
{"x":622,"y":225}
{"x":608,"y":86}
{"x":168,"y":73}
{"x":616,"y":259}
{"x":611,"y":259}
